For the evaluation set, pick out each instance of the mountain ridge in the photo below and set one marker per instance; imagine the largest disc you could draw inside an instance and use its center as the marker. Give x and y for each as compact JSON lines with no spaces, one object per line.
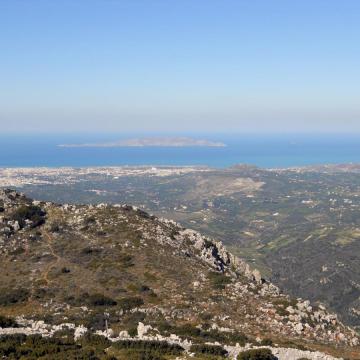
{"x":123,"y":261}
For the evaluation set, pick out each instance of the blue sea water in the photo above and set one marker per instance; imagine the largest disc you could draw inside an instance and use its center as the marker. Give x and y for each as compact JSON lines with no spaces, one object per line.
{"x":261,"y":150}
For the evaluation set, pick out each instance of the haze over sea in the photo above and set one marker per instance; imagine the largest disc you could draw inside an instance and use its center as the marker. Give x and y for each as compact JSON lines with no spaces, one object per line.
{"x":261,"y":150}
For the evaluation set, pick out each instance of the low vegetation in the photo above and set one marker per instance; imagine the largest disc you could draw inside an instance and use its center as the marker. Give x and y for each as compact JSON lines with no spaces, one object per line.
{"x":256,"y":354}
{"x":198,"y":335}
{"x":6,"y":322}
{"x":208,"y":350}
{"x":101,"y":300}
{"x":13,"y":296}
{"x":218,"y":280}
{"x":147,"y":350}
{"x":129,"y":303}
{"x":32,"y":213}
{"x":16,"y":347}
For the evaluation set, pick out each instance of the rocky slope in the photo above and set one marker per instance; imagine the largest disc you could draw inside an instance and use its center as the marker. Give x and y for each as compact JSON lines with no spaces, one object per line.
{"x":129,"y":275}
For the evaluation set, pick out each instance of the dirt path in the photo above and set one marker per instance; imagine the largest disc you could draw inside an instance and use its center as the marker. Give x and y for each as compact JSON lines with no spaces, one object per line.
{"x":49,"y":240}
{"x":45,"y":273}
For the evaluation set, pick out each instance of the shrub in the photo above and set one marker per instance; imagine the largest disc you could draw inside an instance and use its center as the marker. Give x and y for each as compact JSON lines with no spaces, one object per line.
{"x":95,"y":321}
{"x":34,"y":347}
{"x":132,"y":331}
{"x":187,"y":330}
{"x":132,"y":319}
{"x":130,"y":302}
{"x":281,"y":305}
{"x":208,"y":350}
{"x":257,"y":354}
{"x":126,"y":260}
{"x":205,"y":316}
{"x":144,"y":288}
{"x":101,"y":300}
{"x":90,"y":251}
{"x":95,"y":340}
{"x":150,"y":276}
{"x":54,"y":227}
{"x":67,"y":335}
{"x":282,"y":312}
{"x":6,"y":322}
{"x":18,"y":251}
{"x":266,"y":342}
{"x":160,"y":347}
{"x":32,"y":213}
{"x":90,"y":220}
{"x":218,"y":280}
{"x":13,"y":296}
{"x":133,"y":354}
{"x":9,"y":344}
{"x":56,"y":348}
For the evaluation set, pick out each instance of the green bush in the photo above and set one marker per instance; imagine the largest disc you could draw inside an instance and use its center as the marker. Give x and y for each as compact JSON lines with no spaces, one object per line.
{"x":133,"y":354}
{"x":155,"y":347}
{"x":187,"y":330}
{"x":132,"y":319}
{"x":6,"y":322}
{"x":88,"y":250}
{"x":10,"y":297}
{"x":218,"y":280}
{"x":95,"y":321}
{"x":95,"y":340}
{"x":132,"y":331}
{"x":64,"y":334}
{"x":208,"y":350}
{"x":56,"y":348}
{"x":90,"y":220}
{"x":34,"y":347}
{"x":257,"y":354}
{"x":32,"y":213}
{"x":101,"y":300}
{"x":130,"y":303}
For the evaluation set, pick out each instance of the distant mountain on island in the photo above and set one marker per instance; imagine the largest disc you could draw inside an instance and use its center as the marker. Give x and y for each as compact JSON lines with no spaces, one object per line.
{"x":152,"y":141}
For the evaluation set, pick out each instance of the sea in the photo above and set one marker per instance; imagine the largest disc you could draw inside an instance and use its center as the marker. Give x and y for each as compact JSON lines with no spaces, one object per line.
{"x":266,"y":151}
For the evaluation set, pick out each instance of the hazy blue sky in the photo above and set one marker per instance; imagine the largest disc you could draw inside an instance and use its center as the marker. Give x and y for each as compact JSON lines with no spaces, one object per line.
{"x":180,"y":65}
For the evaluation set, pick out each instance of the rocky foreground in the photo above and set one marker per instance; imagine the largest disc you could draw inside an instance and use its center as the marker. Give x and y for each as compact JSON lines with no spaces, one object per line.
{"x":123,"y":274}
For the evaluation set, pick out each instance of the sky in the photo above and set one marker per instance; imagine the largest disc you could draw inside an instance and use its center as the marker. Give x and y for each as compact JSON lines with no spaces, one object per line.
{"x":179,"y":66}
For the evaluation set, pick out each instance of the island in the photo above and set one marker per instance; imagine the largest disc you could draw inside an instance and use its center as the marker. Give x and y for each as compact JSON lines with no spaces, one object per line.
{"x":152,"y":141}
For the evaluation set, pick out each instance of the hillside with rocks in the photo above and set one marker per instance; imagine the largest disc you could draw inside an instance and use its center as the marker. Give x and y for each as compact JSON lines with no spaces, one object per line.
{"x":138,"y":281}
